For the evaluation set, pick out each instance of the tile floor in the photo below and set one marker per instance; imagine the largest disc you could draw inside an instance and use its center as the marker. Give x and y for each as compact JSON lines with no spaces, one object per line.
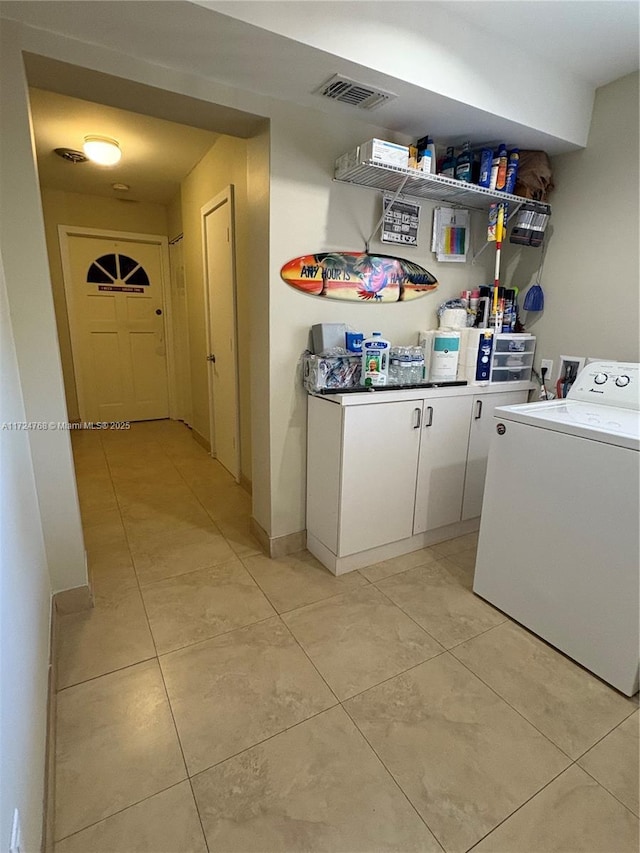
{"x":218,"y":700}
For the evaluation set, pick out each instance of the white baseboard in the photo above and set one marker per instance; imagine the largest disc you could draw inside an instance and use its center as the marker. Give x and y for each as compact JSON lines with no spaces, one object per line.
{"x":278,"y":546}
{"x":342,"y":565}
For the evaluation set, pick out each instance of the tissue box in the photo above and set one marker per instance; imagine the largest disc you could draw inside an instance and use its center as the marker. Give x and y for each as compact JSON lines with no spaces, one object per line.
{"x":326,"y":336}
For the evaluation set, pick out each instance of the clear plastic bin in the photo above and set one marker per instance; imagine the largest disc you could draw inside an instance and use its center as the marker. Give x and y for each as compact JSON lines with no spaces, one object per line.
{"x":505,"y":342}
{"x":512,"y":357}
{"x":320,"y":373}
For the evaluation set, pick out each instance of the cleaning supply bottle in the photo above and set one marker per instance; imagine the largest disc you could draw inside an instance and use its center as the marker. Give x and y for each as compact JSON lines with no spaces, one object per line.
{"x":512,"y":170}
{"x":449,"y":164}
{"x":501,"y":176}
{"x":486,"y":159}
{"x":464,"y":163}
{"x":375,"y":360}
{"x":426,"y":155}
{"x":431,"y":151}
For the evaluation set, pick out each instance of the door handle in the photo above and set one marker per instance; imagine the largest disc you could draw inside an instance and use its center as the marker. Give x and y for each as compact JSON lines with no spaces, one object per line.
{"x":211,"y":357}
{"x":478,"y":410}
{"x":417,"y":418}
{"x":430,"y":412}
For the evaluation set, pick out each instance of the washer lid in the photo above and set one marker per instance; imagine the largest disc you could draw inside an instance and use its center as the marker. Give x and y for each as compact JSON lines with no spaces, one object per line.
{"x":587,"y":420}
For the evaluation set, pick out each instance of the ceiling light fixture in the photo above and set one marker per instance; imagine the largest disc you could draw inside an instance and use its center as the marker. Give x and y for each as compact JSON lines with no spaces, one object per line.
{"x":102,"y":150}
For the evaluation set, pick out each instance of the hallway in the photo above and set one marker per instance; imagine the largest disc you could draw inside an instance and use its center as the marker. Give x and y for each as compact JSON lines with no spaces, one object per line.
{"x":218,"y":700}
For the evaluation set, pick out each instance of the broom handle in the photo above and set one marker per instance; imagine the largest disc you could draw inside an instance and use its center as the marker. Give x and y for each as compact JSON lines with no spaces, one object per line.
{"x":496,"y":278}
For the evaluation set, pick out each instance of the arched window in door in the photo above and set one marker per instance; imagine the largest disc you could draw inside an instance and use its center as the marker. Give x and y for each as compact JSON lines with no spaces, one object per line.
{"x":109,"y":269}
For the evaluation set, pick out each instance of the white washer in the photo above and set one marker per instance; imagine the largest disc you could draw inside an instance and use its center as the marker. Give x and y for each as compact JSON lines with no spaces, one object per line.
{"x":559,"y":545}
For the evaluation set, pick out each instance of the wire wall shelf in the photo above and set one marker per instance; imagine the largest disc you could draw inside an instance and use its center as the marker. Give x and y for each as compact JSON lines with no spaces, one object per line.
{"x":409,"y":182}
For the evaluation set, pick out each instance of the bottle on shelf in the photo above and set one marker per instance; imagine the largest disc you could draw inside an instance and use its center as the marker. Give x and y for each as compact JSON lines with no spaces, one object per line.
{"x":464,"y":164}
{"x":449,"y":163}
{"x":501,"y":176}
{"x":486,"y":159}
{"x":426,"y":155}
{"x":512,"y":170}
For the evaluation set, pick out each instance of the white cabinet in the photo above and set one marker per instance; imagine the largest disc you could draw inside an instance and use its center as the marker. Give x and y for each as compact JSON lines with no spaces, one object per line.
{"x":392,"y":472}
{"x":379,"y":458}
{"x":442,"y":462}
{"x":480,"y":435}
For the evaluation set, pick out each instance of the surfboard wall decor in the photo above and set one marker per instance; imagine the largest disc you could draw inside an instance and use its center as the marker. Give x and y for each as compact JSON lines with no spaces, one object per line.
{"x":358,"y":277}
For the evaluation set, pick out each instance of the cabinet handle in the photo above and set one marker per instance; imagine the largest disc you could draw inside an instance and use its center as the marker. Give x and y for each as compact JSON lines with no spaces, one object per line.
{"x":478,"y":410}
{"x":430,"y":421}
{"x":417,"y":418}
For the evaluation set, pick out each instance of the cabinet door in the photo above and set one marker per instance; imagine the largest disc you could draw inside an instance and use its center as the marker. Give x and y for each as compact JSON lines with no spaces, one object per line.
{"x":480,"y":436}
{"x":441,"y":465}
{"x":380,"y":456}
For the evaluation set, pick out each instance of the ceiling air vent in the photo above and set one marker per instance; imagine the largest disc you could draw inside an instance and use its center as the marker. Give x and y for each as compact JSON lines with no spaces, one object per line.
{"x":357,"y":94}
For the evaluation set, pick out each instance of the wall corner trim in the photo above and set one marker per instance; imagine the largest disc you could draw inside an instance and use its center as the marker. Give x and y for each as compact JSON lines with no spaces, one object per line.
{"x":278,"y":546}
{"x":73,"y":600}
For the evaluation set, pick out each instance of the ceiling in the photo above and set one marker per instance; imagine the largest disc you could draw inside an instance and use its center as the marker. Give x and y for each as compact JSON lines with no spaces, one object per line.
{"x":596,"y":40}
{"x":593,"y":40}
{"x":254,"y":45}
{"x":156,"y":154}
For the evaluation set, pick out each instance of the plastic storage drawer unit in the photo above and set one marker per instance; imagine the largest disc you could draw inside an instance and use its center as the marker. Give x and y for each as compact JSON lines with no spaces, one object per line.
{"x":512,"y":357}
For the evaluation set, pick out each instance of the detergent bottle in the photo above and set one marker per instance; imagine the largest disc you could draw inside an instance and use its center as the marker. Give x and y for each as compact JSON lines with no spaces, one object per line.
{"x":375,"y":360}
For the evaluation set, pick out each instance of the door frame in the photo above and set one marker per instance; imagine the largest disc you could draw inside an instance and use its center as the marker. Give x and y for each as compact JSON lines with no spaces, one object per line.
{"x":225,"y":196}
{"x":65,"y":232}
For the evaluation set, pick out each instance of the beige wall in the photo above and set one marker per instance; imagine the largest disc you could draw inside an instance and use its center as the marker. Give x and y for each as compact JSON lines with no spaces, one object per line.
{"x":26,"y":270}
{"x":87,"y":211}
{"x":258,"y":198}
{"x":224,"y":164}
{"x":590,"y":277}
{"x":312,"y":213}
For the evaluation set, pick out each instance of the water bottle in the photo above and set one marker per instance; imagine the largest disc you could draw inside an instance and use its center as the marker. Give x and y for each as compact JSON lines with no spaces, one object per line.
{"x":394,"y":366}
{"x":417,"y":365}
{"x":405,"y":365}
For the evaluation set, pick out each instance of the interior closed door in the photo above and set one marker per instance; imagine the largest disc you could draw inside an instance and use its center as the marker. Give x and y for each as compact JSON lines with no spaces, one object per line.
{"x":221,"y":330}
{"x":116,"y":316}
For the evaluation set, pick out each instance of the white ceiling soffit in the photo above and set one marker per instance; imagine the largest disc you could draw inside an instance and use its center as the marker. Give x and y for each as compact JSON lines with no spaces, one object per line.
{"x":156,"y":154}
{"x":252,"y":57}
{"x":491,"y":55}
{"x":593,"y":40}
{"x":66,"y":79}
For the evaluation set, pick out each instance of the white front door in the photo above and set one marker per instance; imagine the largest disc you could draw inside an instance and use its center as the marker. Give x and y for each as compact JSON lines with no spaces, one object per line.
{"x":220,"y":293}
{"x":115,"y":301}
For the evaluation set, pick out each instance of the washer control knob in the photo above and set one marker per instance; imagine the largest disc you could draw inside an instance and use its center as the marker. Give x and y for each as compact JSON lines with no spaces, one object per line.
{"x":600,"y":378}
{"x":621,"y":381}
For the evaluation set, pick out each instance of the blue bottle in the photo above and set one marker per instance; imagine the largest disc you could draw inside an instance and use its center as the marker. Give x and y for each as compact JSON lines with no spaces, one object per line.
{"x":512,"y":170}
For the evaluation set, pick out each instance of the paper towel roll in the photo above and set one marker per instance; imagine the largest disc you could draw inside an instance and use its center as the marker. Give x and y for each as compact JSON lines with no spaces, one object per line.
{"x":453,"y":318}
